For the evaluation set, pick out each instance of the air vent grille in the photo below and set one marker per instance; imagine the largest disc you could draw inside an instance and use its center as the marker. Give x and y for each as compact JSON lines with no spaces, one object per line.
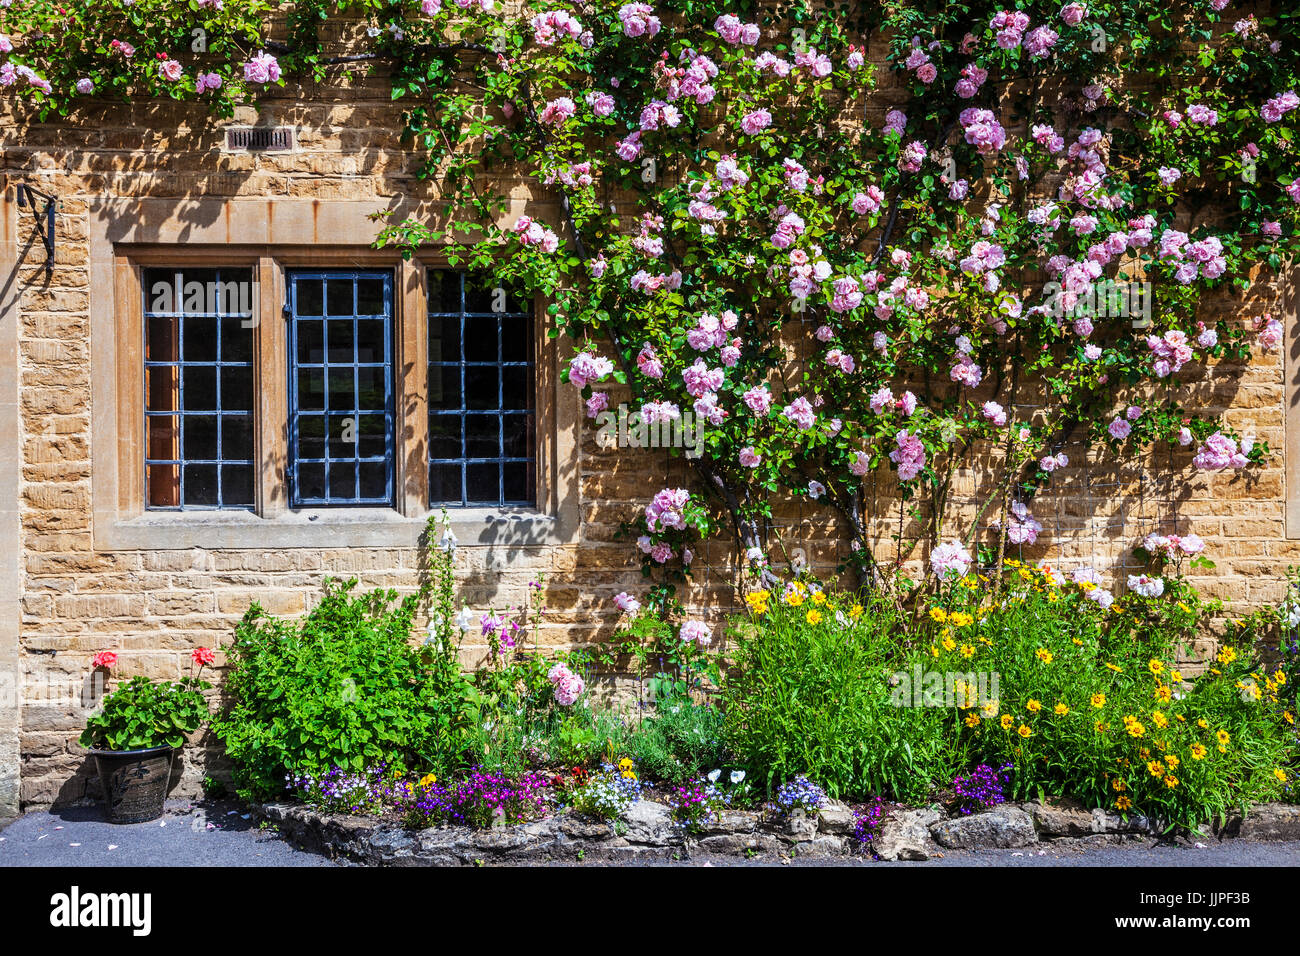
{"x":260,"y":138}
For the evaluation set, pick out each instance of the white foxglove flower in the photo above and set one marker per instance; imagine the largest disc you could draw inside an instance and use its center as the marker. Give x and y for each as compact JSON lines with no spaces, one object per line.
{"x":1292,"y":612}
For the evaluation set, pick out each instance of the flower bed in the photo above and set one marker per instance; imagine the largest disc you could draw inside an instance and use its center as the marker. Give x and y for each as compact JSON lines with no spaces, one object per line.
{"x":983,"y":693}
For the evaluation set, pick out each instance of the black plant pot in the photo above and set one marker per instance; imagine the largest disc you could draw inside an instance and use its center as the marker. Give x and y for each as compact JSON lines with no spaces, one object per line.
{"x":135,"y":782}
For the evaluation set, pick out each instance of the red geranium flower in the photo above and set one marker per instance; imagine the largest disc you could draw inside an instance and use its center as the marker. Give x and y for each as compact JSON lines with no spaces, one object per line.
{"x":104,"y":659}
{"x":203,"y":656}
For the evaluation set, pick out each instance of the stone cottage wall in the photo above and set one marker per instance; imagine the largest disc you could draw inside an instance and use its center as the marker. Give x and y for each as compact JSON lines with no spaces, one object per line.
{"x":63,"y":598}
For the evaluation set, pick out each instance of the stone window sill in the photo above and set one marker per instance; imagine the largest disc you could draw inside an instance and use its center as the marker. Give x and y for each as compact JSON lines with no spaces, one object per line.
{"x":322,"y":528}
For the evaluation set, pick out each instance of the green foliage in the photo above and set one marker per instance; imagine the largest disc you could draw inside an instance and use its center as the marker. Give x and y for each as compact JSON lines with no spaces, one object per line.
{"x":810,"y":695}
{"x":1082,"y":700}
{"x":1092,"y":704}
{"x":341,"y":687}
{"x":679,"y":741}
{"x":141,"y":714}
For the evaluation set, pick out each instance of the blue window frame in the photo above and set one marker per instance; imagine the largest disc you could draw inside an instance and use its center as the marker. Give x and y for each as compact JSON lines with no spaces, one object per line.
{"x":341,"y":434}
{"x":482,"y":430}
{"x":198,"y":369}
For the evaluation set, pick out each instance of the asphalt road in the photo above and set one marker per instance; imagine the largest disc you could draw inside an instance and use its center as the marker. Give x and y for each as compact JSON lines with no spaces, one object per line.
{"x":216,"y":834}
{"x":223,"y":834}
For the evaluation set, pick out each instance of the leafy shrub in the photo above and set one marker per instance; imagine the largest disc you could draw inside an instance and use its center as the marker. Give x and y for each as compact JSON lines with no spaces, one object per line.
{"x":810,"y":695}
{"x":679,"y":740}
{"x":339,"y":688}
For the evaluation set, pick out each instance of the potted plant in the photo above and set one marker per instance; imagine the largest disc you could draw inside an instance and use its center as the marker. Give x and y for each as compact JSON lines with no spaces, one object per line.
{"x":136,"y":732}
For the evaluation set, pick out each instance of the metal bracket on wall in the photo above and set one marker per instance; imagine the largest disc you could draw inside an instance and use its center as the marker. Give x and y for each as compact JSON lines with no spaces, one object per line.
{"x":27,"y":196}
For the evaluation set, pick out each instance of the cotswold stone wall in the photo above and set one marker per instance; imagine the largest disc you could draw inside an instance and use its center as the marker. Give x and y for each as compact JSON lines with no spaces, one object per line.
{"x":68,"y":591}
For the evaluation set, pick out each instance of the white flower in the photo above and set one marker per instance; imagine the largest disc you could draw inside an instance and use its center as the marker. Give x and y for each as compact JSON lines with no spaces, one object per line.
{"x":435,"y":625}
{"x":1103,"y":597}
{"x":1146,"y":586}
{"x":737,"y":776}
{"x":465,"y":619}
{"x":714,"y":775}
{"x":1292,"y":612}
{"x":448,"y":540}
